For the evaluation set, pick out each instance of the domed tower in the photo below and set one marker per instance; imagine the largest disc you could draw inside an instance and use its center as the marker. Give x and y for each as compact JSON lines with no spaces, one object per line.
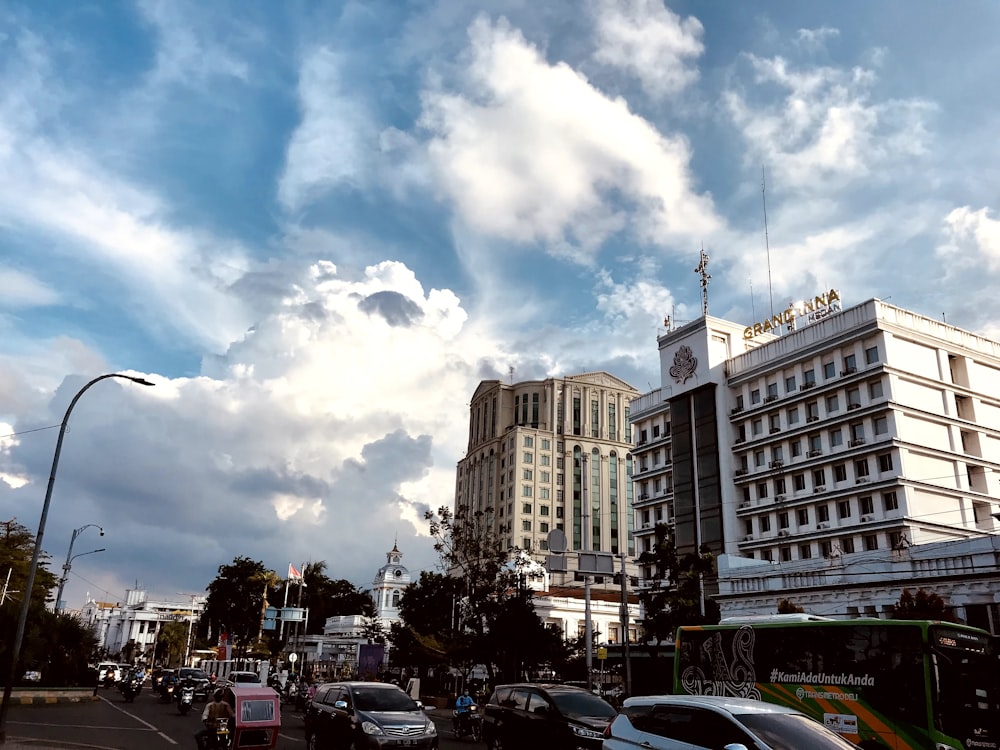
{"x":388,"y":587}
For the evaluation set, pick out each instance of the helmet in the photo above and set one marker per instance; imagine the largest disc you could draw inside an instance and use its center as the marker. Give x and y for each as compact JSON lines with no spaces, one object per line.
{"x":218,"y":695}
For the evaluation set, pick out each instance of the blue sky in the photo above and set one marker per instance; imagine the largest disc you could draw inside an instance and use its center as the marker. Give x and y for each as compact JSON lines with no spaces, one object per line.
{"x":317,"y":226}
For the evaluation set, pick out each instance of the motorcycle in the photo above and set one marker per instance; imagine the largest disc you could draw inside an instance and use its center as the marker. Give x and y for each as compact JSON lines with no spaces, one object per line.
{"x":291,"y":692}
{"x":185,"y":698}
{"x":130,"y":687}
{"x":221,"y":738}
{"x":166,"y":692}
{"x":468,"y":724}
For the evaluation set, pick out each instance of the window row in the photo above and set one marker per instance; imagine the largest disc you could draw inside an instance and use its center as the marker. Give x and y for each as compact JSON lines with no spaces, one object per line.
{"x":833,"y":548}
{"x":809,"y":412}
{"x":803,"y":517}
{"x":814,"y":444}
{"x":861,"y":473}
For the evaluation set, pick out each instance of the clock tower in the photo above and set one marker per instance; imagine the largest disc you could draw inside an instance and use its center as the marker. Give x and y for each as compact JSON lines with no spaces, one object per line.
{"x":388,"y":587}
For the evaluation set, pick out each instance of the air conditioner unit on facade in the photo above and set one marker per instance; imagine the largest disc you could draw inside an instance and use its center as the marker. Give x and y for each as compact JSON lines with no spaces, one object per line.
{"x":852,"y":407}
{"x":866,"y":519}
{"x":775,"y":430}
{"x":856,"y":443}
{"x":848,"y":371}
{"x":812,"y":419}
{"x":779,"y":498}
{"x":807,"y":386}
{"x":741,"y":472}
{"x":736,"y":410}
{"x":748,"y":538}
{"x":823,"y":525}
{"x":813,"y":454}
{"x":861,"y":480}
{"x":769,"y":399}
{"x":744,"y":504}
{"x":819,"y":489}
{"x":776,"y":464}
{"x":784,"y":532}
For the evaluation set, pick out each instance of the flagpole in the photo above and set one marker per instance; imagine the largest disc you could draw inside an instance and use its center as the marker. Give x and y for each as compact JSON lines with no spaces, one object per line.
{"x":302,"y":585}
{"x":284,"y":606}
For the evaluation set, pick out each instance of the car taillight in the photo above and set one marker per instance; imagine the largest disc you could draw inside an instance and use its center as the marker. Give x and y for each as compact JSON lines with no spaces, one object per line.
{"x":607,"y":731}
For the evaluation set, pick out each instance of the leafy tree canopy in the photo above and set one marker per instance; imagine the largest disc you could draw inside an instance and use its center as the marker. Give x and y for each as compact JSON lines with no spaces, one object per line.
{"x":324,"y":597}
{"x":788,"y":607}
{"x":924,"y":605}
{"x":236,"y":599}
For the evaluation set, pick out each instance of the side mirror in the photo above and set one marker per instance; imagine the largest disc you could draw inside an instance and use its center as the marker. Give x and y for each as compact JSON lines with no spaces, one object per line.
{"x":342,"y":705}
{"x":420,"y":706}
{"x":735,"y":746}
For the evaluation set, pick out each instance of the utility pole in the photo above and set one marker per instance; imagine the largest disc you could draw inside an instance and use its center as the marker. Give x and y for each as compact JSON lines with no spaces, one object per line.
{"x":588,"y":636}
{"x":626,"y":654}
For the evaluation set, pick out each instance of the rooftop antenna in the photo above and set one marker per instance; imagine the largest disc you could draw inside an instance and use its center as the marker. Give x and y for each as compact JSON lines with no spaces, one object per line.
{"x":510,"y":373}
{"x":702,"y":269}
{"x":753,"y":305}
{"x":767,"y":244}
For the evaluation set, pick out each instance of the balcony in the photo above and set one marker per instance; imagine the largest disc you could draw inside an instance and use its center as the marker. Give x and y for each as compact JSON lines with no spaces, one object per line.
{"x":848,"y":371}
{"x":812,"y":419}
{"x":852,"y":407}
{"x":775,"y":430}
{"x":814,"y":454}
{"x":856,"y":443}
{"x":735,"y":410}
{"x":770,"y":399}
{"x":741,"y":472}
{"x":807,"y":386}
{"x":861,"y":480}
{"x":776,"y":464}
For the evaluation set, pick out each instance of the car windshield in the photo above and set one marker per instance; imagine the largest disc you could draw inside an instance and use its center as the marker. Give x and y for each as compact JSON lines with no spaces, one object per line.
{"x":195,"y":674}
{"x":793,"y":732}
{"x":581,"y":704}
{"x":245,"y":677}
{"x":382,"y":699}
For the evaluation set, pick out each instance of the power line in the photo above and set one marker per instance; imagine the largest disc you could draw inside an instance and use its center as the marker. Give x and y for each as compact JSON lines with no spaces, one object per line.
{"x":25,"y":432}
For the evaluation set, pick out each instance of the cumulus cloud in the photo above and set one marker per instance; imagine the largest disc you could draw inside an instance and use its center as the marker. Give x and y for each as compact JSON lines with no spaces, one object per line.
{"x":815,"y":39}
{"x":531,"y":152}
{"x":826,"y":129}
{"x":19,"y":289}
{"x":649,"y":41}
{"x":972,"y":238}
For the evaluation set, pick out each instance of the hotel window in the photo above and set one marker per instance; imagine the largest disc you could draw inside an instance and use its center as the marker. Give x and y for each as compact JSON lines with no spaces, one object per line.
{"x":853,"y":398}
{"x":529,"y":458}
{"x":836,"y":438}
{"x":844,"y":509}
{"x":742,"y":433}
{"x":765,"y":524}
{"x":805,"y":551}
{"x":803,"y":516}
{"x":783,"y":520}
{"x":793,"y":415}
{"x":815,"y":443}
{"x":850,"y":364}
{"x":748,"y":526}
{"x":544,"y":477}
{"x":819,"y":478}
{"x":823,"y":513}
{"x":861,"y":468}
{"x":739,"y":402}
{"x":766,"y":555}
{"x":789,"y":384}
{"x":858,"y":433}
{"x":889,"y":501}
{"x":757,"y":427}
{"x":559,"y":512}
{"x":525,"y":525}
{"x":866,"y":505}
{"x":758,"y":458}
{"x":809,"y":377}
{"x":871,"y":355}
{"x":529,"y":442}
{"x":829,"y":370}
{"x":762,"y":490}
{"x":832,"y":404}
{"x":871,"y":542}
{"x":545,"y":459}
{"x":796,"y":448}
{"x":546,"y":444}
{"x":527,"y":475}
{"x":786,"y":554}
{"x":755,"y":396}
{"x":526,"y":507}
{"x":779,"y":486}
{"x":777,"y":454}
{"x":885,"y":462}
{"x":595,"y":418}
{"x":543,"y":493}
{"x":812,"y":411}
{"x":826,"y":548}
{"x":543,"y":528}
{"x":526,"y":543}
{"x":775,"y":423}
{"x":847,"y":545}
{"x":772,"y":391}
{"x":526,"y":491}
{"x":875,"y":389}
{"x":543,"y":510}
{"x":881,"y":426}
{"x":840,"y":473}
{"x":543,"y":544}
{"x":612,"y":423}
{"x":799,"y":482}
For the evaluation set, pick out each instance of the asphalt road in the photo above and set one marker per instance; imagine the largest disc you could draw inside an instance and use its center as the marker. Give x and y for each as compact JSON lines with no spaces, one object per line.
{"x":147,"y":724}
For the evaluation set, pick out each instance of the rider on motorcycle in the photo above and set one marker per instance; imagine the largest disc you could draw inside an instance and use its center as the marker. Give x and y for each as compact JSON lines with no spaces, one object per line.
{"x":217,"y":709}
{"x":463,"y":708}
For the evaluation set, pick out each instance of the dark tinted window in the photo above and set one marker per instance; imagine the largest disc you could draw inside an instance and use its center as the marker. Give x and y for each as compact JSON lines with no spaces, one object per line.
{"x":321,"y":694}
{"x":537,"y":703}
{"x":501,"y":697}
{"x":382,"y":699}
{"x":582,"y":703}
{"x":519,"y":699}
{"x":792,"y":732}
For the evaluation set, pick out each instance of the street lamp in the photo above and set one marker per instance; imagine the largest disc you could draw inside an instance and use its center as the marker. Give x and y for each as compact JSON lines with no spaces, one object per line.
{"x":70,"y":557}
{"x":26,"y":598}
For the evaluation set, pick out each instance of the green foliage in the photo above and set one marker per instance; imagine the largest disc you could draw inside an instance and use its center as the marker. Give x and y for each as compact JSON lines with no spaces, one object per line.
{"x":675,"y":596}
{"x":788,"y":607}
{"x":924,"y":605}
{"x":171,"y":643}
{"x":325,"y":597}
{"x":236,"y":601}
{"x":426,"y":633}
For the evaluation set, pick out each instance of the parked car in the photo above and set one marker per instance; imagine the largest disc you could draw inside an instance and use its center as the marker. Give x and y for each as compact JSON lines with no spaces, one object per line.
{"x":202,"y":685}
{"x":691,"y":722}
{"x":542,"y":715}
{"x":366,"y":715}
{"x":240,"y":678}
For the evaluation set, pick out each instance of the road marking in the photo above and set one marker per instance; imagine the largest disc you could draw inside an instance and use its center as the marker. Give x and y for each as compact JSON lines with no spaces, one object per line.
{"x":131,"y":715}
{"x":293,"y":739}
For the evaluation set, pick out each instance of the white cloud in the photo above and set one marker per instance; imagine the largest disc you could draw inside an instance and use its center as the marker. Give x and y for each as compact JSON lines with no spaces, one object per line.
{"x":972,"y":239}
{"x":825,"y":130}
{"x":815,"y":39}
{"x":531,"y":152}
{"x":19,"y":289}
{"x":335,"y":138}
{"x":649,"y":41}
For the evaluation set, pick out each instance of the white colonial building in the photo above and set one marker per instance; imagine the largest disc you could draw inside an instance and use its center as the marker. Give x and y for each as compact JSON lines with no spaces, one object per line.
{"x":390,"y":582}
{"x":832,"y":465}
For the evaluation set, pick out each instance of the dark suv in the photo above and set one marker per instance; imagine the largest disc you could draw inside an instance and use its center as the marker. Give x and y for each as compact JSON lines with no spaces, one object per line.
{"x":198,"y":678}
{"x":549,"y":716}
{"x":366,"y":715}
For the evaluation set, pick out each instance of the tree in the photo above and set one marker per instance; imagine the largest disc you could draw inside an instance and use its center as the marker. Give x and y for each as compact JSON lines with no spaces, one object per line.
{"x":675,"y":597}
{"x":171,"y":643}
{"x":788,"y":607}
{"x":924,"y":605}
{"x":235,"y":600}
{"x":325,"y":597}
{"x":426,"y":633}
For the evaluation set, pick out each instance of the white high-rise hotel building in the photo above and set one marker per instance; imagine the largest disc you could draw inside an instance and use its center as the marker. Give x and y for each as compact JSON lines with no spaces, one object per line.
{"x":833,"y":465}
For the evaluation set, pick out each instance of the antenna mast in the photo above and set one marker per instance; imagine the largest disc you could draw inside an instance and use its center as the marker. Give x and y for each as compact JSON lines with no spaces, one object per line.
{"x":767,"y":244}
{"x":702,"y":269}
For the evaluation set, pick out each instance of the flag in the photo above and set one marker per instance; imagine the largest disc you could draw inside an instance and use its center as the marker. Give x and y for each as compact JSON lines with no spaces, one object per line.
{"x":293,"y":574}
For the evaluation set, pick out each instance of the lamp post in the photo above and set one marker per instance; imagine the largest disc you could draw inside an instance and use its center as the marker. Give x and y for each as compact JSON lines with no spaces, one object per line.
{"x":69,"y":560}
{"x":26,"y":598}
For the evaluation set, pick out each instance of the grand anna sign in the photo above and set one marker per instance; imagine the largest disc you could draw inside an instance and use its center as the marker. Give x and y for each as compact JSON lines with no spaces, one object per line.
{"x":810,"y":311}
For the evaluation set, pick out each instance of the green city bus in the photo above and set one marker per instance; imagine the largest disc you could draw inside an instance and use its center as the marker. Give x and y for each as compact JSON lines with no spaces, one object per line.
{"x":899,"y":684}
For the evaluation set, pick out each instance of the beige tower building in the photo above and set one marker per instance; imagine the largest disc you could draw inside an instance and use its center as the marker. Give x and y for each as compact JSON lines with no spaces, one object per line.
{"x":552,"y":454}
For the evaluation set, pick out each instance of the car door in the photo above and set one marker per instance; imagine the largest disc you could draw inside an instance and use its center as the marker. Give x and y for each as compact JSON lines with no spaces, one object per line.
{"x":514,"y":730}
{"x":542,"y":724}
{"x":342,"y":717}
{"x":321,"y":716}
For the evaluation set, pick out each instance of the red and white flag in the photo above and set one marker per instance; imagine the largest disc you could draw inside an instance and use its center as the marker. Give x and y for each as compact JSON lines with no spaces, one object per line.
{"x":293,"y":574}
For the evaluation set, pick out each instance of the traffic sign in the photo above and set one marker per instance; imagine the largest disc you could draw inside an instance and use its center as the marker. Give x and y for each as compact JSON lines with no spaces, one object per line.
{"x":292,"y":658}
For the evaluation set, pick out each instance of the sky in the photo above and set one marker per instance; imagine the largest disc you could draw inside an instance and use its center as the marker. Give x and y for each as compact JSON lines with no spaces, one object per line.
{"x":317,"y":226}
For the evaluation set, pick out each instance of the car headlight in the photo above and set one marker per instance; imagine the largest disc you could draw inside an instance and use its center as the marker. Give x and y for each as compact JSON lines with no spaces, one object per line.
{"x":589,"y":733}
{"x":431,"y":729}
{"x":370,"y":727}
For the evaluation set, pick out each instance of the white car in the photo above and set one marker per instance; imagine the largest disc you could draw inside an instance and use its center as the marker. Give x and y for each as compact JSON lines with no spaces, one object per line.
{"x":699,"y":722}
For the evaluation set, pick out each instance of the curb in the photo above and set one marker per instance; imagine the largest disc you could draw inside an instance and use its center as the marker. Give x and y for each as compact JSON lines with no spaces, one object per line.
{"x":48,"y":699}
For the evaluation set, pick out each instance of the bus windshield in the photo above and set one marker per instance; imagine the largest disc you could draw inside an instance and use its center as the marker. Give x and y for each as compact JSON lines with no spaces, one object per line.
{"x":966,"y":692}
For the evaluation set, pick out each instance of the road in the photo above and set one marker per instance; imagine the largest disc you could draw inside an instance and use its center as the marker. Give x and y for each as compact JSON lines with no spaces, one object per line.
{"x":146,"y":724}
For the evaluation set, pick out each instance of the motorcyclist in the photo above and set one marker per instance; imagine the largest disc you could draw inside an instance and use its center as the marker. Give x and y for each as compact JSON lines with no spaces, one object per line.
{"x":216,"y":709}
{"x":463,"y":708}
